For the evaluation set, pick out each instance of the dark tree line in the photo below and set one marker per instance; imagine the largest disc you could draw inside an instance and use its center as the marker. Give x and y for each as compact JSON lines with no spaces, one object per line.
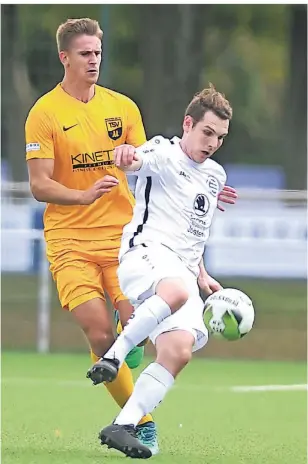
{"x":161,"y":55}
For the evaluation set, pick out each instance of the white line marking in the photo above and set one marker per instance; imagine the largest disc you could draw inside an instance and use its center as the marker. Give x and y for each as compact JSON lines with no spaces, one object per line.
{"x":33,"y":382}
{"x":269,"y":388}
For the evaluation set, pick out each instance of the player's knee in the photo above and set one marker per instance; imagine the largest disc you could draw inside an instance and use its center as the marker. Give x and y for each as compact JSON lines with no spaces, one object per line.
{"x":100,"y":340}
{"x":173,"y":292}
{"x":184,"y":356}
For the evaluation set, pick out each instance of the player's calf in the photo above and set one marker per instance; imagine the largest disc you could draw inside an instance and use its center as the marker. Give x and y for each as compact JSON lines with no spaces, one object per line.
{"x":93,"y":318}
{"x":174,"y":350}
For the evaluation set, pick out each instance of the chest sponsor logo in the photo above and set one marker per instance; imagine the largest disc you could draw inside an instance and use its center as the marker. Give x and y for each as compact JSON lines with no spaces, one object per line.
{"x":91,"y":161}
{"x":201,"y":205}
{"x":200,"y":221}
{"x":114,"y":128}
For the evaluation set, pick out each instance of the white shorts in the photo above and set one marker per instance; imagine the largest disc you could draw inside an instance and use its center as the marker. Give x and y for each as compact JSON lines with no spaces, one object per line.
{"x":139,"y":272}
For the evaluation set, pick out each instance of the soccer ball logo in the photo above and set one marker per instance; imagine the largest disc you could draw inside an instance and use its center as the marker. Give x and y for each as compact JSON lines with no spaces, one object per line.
{"x":217,"y":325}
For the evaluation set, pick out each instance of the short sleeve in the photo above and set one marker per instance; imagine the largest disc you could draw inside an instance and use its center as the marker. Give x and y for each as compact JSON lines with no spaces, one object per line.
{"x":217,"y":177}
{"x":39,"y":135}
{"x":136,"y":133}
{"x":222,"y":179}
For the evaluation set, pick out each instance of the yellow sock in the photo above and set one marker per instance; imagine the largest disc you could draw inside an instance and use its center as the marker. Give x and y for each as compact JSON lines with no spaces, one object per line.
{"x":122,"y":387}
{"x":119,"y":327}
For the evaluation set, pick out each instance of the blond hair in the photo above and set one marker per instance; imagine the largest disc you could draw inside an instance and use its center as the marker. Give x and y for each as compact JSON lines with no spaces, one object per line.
{"x":74,"y":27}
{"x":209,"y":100}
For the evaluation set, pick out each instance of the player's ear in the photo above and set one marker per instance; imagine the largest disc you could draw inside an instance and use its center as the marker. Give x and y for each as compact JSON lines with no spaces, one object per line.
{"x":188,"y":123}
{"x":63,"y":57}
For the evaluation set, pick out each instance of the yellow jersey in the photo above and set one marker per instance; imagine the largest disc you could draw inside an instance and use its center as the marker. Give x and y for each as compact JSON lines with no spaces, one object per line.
{"x":81,"y":137}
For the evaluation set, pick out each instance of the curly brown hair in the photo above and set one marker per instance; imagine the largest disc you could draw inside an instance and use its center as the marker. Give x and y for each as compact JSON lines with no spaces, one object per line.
{"x":209,"y":100}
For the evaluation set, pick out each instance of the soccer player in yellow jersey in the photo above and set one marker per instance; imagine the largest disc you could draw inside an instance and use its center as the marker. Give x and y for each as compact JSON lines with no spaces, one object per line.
{"x":71,"y":133}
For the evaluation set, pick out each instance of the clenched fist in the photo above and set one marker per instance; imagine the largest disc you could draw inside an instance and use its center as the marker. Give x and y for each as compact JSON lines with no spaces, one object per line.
{"x":124,"y":155}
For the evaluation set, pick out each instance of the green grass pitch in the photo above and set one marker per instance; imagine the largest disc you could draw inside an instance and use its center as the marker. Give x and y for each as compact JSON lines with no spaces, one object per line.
{"x":51,"y":414}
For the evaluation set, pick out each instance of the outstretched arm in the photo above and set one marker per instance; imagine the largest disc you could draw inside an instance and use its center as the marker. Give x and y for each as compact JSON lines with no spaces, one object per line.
{"x":126,"y":159}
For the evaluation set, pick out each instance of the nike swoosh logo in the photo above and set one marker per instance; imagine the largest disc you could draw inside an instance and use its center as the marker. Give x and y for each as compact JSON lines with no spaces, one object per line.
{"x":69,"y":127}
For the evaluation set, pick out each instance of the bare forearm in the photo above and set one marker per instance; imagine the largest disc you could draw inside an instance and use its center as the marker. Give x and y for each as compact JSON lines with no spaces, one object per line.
{"x":50,"y":191}
{"x":135,"y":166}
{"x":202,"y":267}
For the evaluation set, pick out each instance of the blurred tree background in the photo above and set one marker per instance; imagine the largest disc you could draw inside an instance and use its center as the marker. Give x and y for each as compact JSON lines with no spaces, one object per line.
{"x":160,"y":55}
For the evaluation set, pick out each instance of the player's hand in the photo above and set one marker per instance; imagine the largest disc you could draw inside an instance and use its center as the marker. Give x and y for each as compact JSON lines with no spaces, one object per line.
{"x":101,"y":186}
{"x":227,"y":195}
{"x":124,"y":155}
{"x":207,"y":284}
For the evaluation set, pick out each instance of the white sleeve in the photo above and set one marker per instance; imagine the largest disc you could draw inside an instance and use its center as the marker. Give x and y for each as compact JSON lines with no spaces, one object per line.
{"x":154,"y":154}
{"x":217,"y":178}
{"x":222,"y":179}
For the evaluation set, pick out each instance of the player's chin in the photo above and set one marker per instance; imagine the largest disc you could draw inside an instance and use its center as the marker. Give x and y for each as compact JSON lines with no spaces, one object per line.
{"x":204,"y":155}
{"x":200,"y":157}
{"x":92,"y":77}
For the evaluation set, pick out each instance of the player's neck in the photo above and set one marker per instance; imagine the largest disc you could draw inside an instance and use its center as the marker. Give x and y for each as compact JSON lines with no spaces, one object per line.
{"x":184,"y":149}
{"x":80,"y":91}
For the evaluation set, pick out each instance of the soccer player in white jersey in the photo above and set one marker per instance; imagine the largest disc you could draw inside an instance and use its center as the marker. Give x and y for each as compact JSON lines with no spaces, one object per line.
{"x":161,"y":258}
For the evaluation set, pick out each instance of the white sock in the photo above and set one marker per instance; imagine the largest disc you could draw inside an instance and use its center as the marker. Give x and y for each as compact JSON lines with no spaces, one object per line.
{"x":145,"y":319}
{"x":150,"y":389}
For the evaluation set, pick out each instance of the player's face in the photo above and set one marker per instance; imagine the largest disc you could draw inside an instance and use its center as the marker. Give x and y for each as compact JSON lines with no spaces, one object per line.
{"x":201,"y":140}
{"x":83,"y":58}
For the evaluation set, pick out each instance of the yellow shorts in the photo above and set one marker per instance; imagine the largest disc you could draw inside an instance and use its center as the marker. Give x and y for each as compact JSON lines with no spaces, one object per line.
{"x":83,"y":269}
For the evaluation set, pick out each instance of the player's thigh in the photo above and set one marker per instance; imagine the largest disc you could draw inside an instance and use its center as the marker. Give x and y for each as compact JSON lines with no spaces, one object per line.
{"x":143,"y":268}
{"x":81,"y":291}
{"x":189,"y":319}
{"x":111,"y":285}
{"x":78,"y":283}
{"x":110,"y":263}
{"x":77,"y":276}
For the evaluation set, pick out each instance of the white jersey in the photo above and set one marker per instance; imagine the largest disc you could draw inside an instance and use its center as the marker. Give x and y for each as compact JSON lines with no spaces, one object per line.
{"x":175,"y":201}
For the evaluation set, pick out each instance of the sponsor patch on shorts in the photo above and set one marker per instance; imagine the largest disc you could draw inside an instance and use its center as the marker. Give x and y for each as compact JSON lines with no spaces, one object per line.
{"x":33,"y":147}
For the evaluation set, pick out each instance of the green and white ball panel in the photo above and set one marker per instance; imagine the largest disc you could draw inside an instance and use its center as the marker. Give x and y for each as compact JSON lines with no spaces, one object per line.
{"x":229,"y":314}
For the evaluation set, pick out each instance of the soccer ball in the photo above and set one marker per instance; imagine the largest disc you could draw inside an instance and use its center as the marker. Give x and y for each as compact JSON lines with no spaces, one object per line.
{"x":229,"y":314}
